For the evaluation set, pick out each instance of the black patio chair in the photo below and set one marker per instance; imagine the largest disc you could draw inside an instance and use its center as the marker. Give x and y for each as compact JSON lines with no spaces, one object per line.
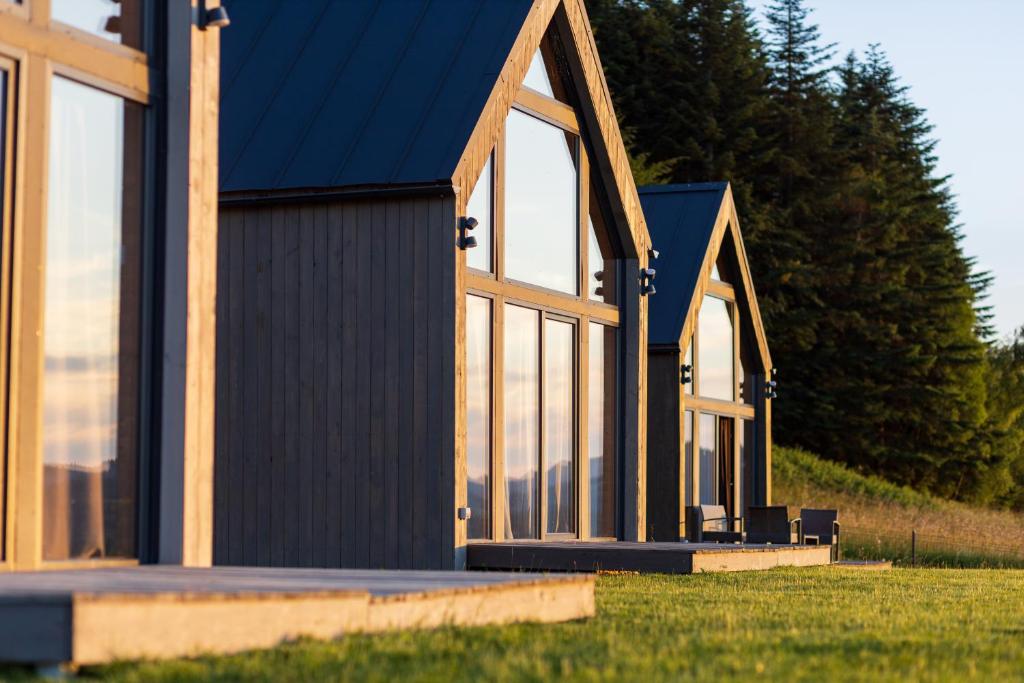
{"x":713,"y":525}
{"x":771,"y":524}
{"x":822,"y":527}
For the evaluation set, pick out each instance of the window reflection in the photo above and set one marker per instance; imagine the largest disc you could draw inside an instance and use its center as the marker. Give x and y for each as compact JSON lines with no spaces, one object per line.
{"x":478,"y":414}
{"x":537,"y":75}
{"x":708,"y":459}
{"x":3,"y":226}
{"x":688,"y":456}
{"x":559,"y":425}
{"x":91,"y":333}
{"x":117,"y":20}
{"x":541,"y":245}
{"x":522,"y":421}
{"x":716,"y":350}
{"x":600,"y":258}
{"x":480,"y":207}
{"x":601,"y":427}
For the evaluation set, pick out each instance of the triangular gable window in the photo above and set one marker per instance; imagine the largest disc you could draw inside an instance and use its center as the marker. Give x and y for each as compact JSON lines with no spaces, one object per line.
{"x":537,"y":77}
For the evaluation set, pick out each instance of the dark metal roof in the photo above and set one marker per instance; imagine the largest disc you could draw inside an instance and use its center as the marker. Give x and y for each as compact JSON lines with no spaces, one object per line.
{"x":681,"y":220}
{"x":336,"y":93}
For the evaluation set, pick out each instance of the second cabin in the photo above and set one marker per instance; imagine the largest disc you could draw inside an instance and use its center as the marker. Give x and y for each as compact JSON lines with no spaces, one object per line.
{"x":709,"y":370}
{"x":431,"y":314}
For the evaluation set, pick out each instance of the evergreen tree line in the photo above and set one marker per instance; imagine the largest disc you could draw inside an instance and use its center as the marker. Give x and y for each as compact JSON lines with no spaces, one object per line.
{"x":875,"y":316}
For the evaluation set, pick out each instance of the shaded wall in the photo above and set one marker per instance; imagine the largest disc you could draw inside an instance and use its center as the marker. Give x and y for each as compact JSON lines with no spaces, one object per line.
{"x":335,"y":432}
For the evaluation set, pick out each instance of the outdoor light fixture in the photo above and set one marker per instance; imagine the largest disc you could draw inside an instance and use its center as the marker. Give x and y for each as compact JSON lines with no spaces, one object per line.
{"x":686,"y":374}
{"x":215,"y":17}
{"x":770,"y":386}
{"x":647,"y":281}
{"x":653,"y":254}
{"x":466,"y":224}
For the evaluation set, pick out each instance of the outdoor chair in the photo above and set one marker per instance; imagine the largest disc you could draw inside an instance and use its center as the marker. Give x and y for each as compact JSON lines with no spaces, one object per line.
{"x":771,"y":524}
{"x":715,"y":526}
{"x":822,"y":527}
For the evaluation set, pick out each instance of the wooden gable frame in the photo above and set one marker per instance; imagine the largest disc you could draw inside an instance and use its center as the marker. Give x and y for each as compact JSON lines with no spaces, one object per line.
{"x":727,"y":220}
{"x":611,"y":162}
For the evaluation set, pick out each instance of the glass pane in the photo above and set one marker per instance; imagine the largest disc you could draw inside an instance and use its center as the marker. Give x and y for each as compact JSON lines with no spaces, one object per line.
{"x":478,"y":415}
{"x":601,"y":427}
{"x":715,"y":275}
{"x":537,"y":76}
{"x":708,"y":459}
{"x":560,"y":425}
{"x":541,"y":245}
{"x":479,"y":207}
{"x":91,"y":333}
{"x":688,"y":455}
{"x":600,"y":260}
{"x":116,"y":20}
{"x":688,"y":387}
{"x":522,"y":421}
{"x":716,"y":357}
{"x":3,"y":213}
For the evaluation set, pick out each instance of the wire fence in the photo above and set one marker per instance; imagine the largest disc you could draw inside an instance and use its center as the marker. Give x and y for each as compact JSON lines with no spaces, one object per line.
{"x":908,"y":546}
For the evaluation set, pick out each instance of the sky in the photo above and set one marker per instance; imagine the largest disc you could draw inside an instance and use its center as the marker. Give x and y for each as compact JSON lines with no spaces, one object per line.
{"x":964,"y":63}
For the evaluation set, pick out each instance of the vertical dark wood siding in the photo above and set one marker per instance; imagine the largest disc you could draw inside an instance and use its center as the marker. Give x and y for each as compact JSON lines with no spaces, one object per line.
{"x":664,"y":437}
{"x":336,"y":384}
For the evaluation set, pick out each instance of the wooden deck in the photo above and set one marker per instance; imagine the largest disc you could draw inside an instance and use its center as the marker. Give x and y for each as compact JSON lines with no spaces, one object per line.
{"x":669,"y":558}
{"x":92,"y":616}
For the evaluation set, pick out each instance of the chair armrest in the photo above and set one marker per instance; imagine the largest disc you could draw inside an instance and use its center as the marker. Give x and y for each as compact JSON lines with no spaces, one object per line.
{"x":799,"y":529}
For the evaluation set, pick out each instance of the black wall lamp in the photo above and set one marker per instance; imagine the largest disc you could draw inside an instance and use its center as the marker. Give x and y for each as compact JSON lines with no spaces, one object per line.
{"x":466,"y":225}
{"x":647,"y":281}
{"x":215,"y":17}
{"x":771,"y":384}
{"x":686,"y":374}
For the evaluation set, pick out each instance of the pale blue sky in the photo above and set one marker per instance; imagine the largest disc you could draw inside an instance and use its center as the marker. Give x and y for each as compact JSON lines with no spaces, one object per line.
{"x":964,"y":63}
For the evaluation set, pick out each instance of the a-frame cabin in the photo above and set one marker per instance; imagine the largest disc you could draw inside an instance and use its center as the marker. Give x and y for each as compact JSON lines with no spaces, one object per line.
{"x":393,"y":378}
{"x":709,"y":411}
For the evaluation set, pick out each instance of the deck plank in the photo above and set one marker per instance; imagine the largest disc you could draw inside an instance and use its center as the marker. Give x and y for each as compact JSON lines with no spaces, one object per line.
{"x":98,"y":615}
{"x":670,"y":558}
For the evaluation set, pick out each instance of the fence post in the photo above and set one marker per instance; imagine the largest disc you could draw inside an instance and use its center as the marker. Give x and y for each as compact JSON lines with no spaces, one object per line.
{"x":913,"y":547}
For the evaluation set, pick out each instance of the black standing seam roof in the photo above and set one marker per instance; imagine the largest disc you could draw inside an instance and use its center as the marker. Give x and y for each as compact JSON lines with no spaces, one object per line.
{"x":323,"y":94}
{"x":681,"y":220}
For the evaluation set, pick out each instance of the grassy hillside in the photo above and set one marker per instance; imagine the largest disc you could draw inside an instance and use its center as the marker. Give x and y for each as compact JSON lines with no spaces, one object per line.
{"x":877,"y":516}
{"x":817,"y":624}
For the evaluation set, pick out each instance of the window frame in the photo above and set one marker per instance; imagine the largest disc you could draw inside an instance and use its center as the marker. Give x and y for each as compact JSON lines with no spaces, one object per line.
{"x":736,"y":410}
{"x":578,"y":309}
{"x":39,"y":49}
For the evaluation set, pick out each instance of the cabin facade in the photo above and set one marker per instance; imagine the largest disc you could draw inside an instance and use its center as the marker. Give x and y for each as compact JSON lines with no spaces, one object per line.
{"x":430,"y":322}
{"x":108,"y":115}
{"x":709,"y":410}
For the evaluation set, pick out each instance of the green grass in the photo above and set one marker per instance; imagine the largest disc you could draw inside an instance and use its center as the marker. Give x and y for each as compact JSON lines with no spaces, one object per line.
{"x":878,"y":517}
{"x":787,"y":625}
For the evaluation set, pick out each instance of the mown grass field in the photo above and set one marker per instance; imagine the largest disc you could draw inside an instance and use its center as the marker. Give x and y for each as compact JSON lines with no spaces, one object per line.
{"x":781,"y":625}
{"x":877,"y":516}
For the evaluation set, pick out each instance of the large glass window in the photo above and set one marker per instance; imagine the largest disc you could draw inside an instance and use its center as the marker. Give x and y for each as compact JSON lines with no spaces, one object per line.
{"x":547,"y":260}
{"x":560,"y":425}
{"x":708,"y":459}
{"x":715,"y":366}
{"x":91,"y":335}
{"x":478,"y":415}
{"x":4,"y":249}
{"x":522,"y":421}
{"x":601,"y":425}
{"x":688,"y":457}
{"x":480,"y":207}
{"x":541,"y":200}
{"x":116,"y":20}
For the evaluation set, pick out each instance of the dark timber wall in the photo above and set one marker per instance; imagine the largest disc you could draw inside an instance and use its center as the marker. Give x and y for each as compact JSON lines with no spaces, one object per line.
{"x":336,"y":384}
{"x":664,"y":436}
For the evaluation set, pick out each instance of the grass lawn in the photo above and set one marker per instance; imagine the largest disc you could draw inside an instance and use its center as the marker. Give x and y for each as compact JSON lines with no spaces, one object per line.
{"x":787,"y":624}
